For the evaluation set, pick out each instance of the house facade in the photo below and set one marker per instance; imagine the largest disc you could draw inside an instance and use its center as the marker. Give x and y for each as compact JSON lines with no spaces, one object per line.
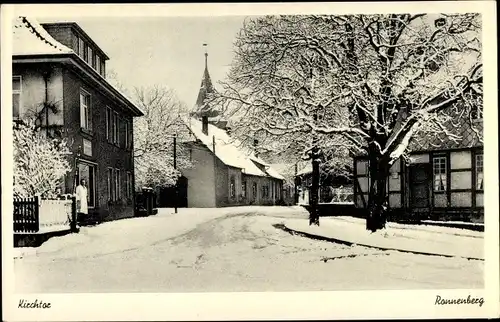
{"x":59,"y":79}
{"x":223,"y":174}
{"x":443,"y":180}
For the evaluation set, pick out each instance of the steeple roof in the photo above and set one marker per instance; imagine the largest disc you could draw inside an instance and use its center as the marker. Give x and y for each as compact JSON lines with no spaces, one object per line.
{"x":206,"y":88}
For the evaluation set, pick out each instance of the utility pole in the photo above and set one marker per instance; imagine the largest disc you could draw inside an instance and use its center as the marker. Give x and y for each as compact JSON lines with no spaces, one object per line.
{"x":296,"y":184}
{"x":175,"y":167}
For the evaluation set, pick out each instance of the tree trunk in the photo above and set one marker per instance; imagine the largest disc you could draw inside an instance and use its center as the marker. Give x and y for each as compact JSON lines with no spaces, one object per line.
{"x":314,"y":211}
{"x":377,"y":200}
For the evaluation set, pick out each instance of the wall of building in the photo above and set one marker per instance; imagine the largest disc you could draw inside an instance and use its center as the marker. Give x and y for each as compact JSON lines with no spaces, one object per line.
{"x":201,"y":179}
{"x":62,"y":34}
{"x":224,"y":175}
{"x":33,"y":90}
{"x":461,"y":199}
{"x":104,"y":154}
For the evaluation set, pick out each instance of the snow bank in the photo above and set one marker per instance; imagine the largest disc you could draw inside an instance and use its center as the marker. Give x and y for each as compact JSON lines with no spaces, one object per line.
{"x":413,"y":238}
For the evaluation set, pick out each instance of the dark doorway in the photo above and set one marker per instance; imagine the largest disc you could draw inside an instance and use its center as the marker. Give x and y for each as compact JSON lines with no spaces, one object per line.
{"x":420,"y":185}
{"x":167,"y":197}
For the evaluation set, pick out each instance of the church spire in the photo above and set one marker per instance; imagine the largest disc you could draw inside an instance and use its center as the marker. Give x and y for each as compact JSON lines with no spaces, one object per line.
{"x":206,"y":57}
{"x":206,"y":88}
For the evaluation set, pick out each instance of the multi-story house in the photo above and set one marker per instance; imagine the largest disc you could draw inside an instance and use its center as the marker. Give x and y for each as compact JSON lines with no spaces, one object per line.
{"x":442,"y":180}
{"x":59,"y":78}
{"x":224,"y":173}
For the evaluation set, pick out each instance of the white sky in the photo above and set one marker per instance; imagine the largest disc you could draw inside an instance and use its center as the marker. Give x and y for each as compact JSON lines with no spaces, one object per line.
{"x":146,"y":51}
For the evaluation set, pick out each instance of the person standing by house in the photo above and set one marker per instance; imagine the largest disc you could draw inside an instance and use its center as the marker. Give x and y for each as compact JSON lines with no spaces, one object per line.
{"x":81,"y":201}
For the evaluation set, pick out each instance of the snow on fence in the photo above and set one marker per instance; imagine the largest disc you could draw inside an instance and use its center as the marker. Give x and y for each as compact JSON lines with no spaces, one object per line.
{"x":36,"y":215}
{"x":55,"y":215}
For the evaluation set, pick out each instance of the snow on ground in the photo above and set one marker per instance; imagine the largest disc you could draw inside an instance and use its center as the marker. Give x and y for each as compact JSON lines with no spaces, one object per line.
{"x":417,"y":238}
{"x":229,"y":249}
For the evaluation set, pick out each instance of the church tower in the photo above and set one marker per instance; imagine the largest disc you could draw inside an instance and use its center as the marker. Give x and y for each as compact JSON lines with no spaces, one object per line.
{"x":203,"y":109}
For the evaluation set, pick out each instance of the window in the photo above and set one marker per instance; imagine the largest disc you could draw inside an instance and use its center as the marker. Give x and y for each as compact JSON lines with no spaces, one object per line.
{"x":479,"y":172}
{"x":265,"y":191}
{"x":129,"y":185}
{"x":232,"y":187}
{"x":85,"y":55}
{"x":110,"y":184}
{"x":254,"y":190}
{"x":112,"y":129}
{"x":103,"y":69}
{"x":108,"y":124}
{"x":244,"y":189}
{"x":97,"y":63}
{"x":439,"y":173}
{"x":115,"y":128}
{"x":16,"y":95}
{"x":87,"y":171}
{"x":84,"y":110}
{"x":90,"y":55}
{"x":81,"y":48}
{"x":125,"y":133}
{"x":118,"y":192}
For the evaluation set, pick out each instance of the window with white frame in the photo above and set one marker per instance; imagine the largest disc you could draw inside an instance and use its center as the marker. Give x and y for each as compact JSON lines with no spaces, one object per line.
{"x":85,"y":110}
{"x":439,"y":170}
{"x":16,"y":96}
{"x":479,"y":172}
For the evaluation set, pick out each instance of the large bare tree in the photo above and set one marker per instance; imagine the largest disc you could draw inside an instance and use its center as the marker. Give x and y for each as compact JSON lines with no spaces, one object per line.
{"x":154,"y":137}
{"x":369,"y":83}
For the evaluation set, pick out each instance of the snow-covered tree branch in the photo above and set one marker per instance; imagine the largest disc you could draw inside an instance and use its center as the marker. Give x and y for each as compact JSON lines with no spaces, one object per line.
{"x":40,"y":163}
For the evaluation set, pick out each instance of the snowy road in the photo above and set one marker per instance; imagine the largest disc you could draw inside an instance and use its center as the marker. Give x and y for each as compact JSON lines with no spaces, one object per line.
{"x":226,"y":250}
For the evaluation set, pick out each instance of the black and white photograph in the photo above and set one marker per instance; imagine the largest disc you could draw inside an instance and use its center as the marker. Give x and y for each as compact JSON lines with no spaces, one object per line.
{"x":184,"y":151}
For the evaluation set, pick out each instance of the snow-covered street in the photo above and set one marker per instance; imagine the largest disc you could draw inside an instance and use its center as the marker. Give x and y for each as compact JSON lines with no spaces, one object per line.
{"x":229,"y":249}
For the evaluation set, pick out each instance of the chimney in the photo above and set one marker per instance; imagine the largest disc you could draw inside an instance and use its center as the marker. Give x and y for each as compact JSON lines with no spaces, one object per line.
{"x":228,"y":130}
{"x":255,"y":143}
{"x":204,"y":125}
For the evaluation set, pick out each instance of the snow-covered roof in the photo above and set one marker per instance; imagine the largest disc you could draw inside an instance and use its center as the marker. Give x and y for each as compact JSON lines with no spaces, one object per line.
{"x":306,"y":170}
{"x":30,"y":38}
{"x":230,"y":151}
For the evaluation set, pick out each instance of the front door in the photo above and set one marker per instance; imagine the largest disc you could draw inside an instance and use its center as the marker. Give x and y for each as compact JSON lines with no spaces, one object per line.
{"x":420,"y":184}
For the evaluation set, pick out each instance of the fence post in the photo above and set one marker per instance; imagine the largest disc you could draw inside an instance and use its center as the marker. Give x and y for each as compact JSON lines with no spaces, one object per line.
{"x":37,"y":214}
{"x":74,"y":229}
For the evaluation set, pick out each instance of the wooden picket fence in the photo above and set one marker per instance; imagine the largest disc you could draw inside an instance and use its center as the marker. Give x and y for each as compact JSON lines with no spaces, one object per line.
{"x":34,"y":215}
{"x":26,"y":215}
